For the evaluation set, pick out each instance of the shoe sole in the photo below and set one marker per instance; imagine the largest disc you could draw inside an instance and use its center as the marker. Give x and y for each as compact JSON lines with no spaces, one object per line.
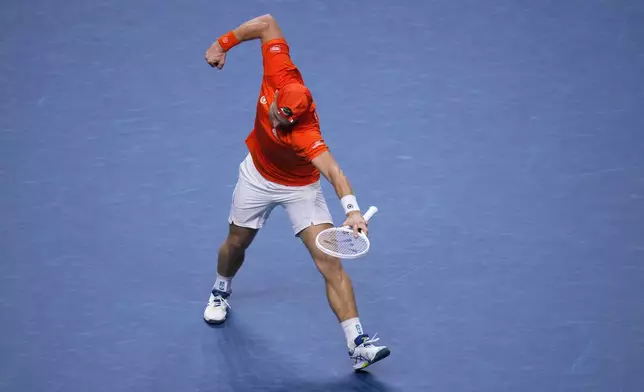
{"x":214,"y":322}
{"x":380,"y":355}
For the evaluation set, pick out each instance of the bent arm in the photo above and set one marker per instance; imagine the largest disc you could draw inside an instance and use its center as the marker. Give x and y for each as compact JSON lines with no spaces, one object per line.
{"x":263,"y":27}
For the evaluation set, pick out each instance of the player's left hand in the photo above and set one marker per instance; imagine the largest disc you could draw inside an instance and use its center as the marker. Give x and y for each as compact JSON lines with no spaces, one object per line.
{"x":356,"y":221}
{"x":216,"y":56}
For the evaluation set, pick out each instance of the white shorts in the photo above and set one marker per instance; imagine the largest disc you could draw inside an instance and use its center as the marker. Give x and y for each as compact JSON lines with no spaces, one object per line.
{"x":255,"y":197}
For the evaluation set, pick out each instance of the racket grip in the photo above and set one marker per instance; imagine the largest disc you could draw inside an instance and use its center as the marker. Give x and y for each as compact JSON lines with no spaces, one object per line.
{"x":370,"y":213}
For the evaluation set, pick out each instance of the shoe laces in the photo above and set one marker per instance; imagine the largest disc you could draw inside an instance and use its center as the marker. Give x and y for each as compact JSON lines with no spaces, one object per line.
{"x":368,"y":341}
{"x":217,"y":300}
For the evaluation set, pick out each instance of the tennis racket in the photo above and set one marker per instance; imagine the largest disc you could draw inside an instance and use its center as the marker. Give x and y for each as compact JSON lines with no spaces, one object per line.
{"x":342,"y":243}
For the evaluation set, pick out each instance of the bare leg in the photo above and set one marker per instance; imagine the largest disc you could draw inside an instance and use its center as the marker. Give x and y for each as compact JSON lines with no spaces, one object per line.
{"x":339,"y":289}
{"x":342,"y":300}
{"x":231,"y":257}
{"x":233,"y":250}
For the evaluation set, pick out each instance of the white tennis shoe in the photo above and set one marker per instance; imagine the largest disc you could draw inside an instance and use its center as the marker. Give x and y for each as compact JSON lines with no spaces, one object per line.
{"x":364,"y":353}
{"x":217,"y":309}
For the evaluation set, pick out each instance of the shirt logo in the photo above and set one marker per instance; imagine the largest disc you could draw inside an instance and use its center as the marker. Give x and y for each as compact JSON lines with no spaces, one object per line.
{"x":262,"y":100}
{"x":317,"y":144}
{"x":275,"y":48}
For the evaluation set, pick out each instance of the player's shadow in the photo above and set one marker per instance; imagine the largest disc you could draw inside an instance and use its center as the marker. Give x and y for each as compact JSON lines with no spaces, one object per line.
{"x":251,"y":365}
{"x":358,"y":382}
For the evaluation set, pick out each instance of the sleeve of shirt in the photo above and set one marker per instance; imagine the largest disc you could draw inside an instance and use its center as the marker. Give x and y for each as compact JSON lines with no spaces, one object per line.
{"x":308,"y":143}
{"x":278,"y":65}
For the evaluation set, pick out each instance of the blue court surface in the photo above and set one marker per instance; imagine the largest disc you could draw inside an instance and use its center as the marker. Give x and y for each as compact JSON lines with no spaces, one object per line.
{"x":502,"y":140}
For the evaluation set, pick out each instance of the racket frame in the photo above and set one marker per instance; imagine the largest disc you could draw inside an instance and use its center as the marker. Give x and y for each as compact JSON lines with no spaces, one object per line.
{"x":368,"y":215}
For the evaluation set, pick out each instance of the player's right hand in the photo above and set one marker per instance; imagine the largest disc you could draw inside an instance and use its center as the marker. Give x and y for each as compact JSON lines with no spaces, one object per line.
{"x":215,"y":56}
{"x":356,"y":221}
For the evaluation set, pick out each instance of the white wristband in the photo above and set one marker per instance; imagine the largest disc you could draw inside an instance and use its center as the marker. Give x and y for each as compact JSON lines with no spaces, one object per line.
{"x":349,"y":203}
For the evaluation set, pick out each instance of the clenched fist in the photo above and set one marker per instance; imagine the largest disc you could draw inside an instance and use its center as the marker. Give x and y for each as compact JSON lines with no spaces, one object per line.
{"x":215,"y":56}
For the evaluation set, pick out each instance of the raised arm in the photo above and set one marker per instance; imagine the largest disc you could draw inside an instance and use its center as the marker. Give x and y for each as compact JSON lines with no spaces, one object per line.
{"x":263,"y":27}
{"x":330,"y":169}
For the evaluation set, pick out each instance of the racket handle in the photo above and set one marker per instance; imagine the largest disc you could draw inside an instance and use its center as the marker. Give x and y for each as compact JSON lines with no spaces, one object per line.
{"x":370,"y":212}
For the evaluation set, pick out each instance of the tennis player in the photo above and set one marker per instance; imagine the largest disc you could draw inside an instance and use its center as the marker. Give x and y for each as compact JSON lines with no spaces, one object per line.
{"x":286,"y":156}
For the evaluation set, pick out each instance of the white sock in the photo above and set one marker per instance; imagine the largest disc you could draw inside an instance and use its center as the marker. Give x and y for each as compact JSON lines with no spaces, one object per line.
{"x":352,"y":329}
{"x":222,"y":283}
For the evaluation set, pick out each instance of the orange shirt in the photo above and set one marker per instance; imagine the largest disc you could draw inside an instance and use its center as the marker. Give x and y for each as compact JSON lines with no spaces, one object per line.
{"x":283,"y":157}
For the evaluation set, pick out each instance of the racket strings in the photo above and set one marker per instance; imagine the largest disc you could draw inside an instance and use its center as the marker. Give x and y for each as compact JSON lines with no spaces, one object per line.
{"x":343,"y":242}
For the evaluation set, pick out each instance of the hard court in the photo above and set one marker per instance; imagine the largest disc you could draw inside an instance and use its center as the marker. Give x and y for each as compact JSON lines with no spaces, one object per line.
{"x":502,"y":141}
